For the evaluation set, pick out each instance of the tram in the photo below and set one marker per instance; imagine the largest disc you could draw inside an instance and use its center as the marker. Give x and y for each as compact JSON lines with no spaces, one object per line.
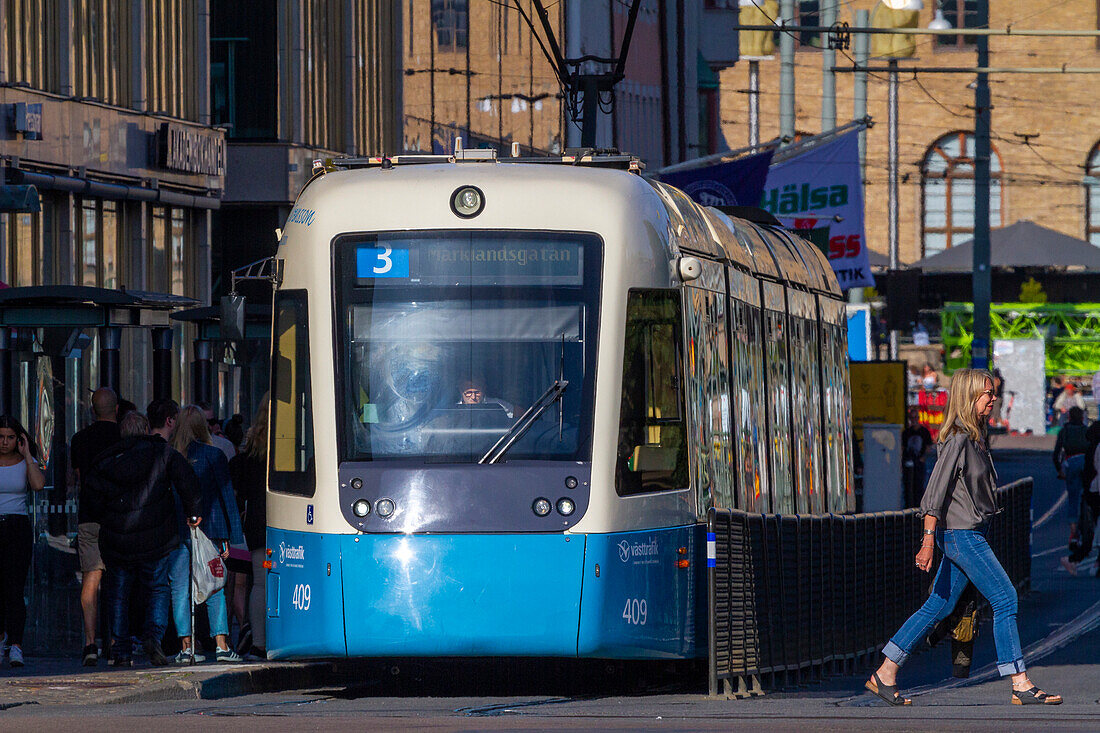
{"x":505,"y":393}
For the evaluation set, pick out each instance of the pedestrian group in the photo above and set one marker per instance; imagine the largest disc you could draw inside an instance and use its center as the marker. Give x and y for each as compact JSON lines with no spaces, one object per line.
{"x":145,"y":483}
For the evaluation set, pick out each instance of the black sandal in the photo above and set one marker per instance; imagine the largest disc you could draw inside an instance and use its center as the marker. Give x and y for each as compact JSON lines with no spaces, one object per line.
{"x":1034,"y":696}
{"x":889,"y":693}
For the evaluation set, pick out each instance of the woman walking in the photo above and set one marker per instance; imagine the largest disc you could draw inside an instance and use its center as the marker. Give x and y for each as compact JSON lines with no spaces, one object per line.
{"x":957,"y":506}
{"x":222,"y":525}
{"x":18,"y":473}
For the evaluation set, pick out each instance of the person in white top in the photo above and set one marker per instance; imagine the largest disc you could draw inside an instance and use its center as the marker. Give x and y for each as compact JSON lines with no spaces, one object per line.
{"x":1066,"y":400}
{"x":18,"y":473}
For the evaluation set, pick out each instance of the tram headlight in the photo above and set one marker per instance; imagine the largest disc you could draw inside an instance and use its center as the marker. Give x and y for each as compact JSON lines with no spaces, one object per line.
{"x":357,"y":483}
{"x":541,"y":507}
{"x":384,"y":507}
{"x":566,"y":506}
{"x":570,"y":482}
{"x":467,"y":202}
{"x":361,"y":508}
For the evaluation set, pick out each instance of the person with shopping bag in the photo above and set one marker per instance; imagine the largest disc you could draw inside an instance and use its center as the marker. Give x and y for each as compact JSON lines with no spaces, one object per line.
{"x":220,"y":524}
{"x":131,"y":491}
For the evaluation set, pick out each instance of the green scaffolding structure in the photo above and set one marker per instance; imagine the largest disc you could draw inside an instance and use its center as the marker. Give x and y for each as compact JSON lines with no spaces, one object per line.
{"x":1071,"y":332}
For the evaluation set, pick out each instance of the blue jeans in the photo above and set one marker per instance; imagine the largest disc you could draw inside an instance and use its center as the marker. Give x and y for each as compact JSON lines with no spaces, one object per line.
{"x":1074,"y":468}
{"x":179,"y":573}
{"x":152,"y":574}
{"x":967,"y":557}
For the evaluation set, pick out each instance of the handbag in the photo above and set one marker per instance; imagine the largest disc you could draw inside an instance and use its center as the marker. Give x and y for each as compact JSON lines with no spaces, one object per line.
{"x":238,"y":551}
{"x":207,"y":567}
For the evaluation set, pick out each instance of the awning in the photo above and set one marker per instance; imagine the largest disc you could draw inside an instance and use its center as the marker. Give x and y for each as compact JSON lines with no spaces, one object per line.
{"x":1023,"y":244}
{"x":79,"y":306}
{"x":19,"y":199}
{"x":117,"y":191}
{"x":706,"y":78}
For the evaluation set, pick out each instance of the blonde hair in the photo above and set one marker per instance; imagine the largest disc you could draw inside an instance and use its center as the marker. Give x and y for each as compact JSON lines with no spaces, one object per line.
{"x":190,"y":426}
{"x":961,"y":416}
{"x":255,"y":445}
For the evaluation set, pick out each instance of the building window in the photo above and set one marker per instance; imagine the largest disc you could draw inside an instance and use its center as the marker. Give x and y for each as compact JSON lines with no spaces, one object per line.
{"x":87,"y":260}
{"x":109,"y":247}
{"x":960,"y":14}
{"x":806,"y":12}
{"x":1092,"y":196}
{"x":947,"y":192}
{"x":101,"y":53}
{"x":24,"y":238}
{"x":179,"y":256}
{"x":29,"y":33}
{"x":451,"y":23}
{"x":157,"y":274}
{"x":244,"y":67}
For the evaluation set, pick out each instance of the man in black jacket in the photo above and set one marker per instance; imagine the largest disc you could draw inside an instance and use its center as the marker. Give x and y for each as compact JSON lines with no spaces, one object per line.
{"x":130,"y":491}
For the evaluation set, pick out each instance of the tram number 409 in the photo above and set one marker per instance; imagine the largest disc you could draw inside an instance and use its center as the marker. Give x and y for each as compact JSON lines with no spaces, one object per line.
{"x":300,"y":597}
{"x":635,"y":611}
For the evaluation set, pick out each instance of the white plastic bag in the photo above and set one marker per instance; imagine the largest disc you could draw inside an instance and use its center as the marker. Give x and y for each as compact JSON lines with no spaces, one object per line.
{"x":207,"y":567}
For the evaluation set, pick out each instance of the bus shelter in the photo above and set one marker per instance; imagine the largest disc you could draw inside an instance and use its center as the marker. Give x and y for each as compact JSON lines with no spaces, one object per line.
{"x":57,"y":344}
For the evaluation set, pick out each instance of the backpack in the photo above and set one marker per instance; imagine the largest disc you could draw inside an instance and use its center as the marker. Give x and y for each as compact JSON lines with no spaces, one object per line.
{"x":1075,"y":439}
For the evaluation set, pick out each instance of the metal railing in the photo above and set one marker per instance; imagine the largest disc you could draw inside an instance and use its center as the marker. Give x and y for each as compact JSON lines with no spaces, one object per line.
{"x":792,"y":598}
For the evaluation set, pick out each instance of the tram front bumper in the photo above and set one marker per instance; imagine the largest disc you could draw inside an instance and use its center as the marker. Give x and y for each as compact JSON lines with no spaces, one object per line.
{"x":462,"y":595}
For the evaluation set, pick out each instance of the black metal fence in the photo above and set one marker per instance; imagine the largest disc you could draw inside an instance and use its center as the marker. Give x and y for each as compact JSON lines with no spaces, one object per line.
{"x":797,"y":597}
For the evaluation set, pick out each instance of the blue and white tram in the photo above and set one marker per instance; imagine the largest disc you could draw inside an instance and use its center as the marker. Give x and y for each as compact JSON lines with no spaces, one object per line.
{"x":639,"y":359}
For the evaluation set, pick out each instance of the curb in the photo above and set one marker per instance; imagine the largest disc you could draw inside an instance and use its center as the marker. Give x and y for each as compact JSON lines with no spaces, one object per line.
{"x":249,"y":681}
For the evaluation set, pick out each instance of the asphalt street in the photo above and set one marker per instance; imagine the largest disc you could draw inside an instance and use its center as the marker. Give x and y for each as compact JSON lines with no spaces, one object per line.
{"x":1059,"y":622}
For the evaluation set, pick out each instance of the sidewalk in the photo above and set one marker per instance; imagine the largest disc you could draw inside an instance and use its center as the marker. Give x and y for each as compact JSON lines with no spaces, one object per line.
{"x":53,"y":681}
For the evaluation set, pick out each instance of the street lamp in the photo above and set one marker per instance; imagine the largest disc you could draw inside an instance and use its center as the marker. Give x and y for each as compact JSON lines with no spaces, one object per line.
{"x":939,"y":23}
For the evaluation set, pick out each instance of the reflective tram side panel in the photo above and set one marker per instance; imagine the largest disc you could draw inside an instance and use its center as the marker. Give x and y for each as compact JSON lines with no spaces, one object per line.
{"x":305,"y":608}
{"x":644,"y":595}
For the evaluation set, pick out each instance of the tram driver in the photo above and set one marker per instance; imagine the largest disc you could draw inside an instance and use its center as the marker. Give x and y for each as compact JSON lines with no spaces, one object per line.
{"x":472,"y":392}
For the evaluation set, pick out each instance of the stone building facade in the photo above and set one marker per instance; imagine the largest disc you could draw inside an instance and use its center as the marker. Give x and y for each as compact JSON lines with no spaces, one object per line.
{"x":1044,"y":128}
{"x":474,"y":70}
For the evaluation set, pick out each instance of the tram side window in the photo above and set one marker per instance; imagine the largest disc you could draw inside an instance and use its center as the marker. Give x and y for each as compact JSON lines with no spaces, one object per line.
{"x":291,"y":448}
{"x":652,"y":445}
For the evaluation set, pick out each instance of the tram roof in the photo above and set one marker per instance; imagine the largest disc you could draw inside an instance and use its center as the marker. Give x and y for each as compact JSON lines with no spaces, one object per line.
{"x":755,"y":247}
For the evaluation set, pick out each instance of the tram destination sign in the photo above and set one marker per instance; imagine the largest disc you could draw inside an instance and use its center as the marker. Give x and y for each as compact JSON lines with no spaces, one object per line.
{"x":190,"y":149}
{"x":434,"y":261}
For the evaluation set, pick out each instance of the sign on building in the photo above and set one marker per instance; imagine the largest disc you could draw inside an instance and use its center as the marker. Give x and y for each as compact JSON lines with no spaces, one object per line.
{"x":190,"y":149}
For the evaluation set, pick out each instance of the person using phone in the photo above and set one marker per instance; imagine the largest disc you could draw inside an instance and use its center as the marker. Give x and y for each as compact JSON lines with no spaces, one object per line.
{"x":19,"y":472}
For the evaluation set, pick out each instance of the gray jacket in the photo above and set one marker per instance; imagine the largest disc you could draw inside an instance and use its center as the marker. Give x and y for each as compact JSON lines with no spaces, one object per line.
{"x":960,"y":491}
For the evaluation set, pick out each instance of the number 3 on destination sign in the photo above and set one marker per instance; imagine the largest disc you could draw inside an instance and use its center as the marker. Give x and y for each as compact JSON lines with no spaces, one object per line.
{"x":385,"y":263}
{"x":381,"y":261}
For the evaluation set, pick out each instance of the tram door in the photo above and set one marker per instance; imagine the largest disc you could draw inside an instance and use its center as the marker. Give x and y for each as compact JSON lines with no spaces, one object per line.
{"x":710,"y":408}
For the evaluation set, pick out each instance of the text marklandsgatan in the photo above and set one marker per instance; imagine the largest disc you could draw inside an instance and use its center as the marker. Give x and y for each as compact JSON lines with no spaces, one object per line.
{"x":191,"y":150}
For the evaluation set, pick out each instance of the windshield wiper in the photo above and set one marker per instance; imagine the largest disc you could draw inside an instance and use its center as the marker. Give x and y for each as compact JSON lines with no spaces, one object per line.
{"x":526,"y":420}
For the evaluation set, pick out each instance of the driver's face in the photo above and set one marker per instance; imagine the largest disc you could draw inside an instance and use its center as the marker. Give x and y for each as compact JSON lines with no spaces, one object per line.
{"x":472,"y":396}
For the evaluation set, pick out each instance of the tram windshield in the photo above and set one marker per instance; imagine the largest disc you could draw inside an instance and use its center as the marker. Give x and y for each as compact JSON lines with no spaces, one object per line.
{"x":450,"y":339}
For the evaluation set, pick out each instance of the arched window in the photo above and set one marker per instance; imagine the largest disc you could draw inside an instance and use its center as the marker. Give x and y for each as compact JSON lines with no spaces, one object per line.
{"x":947,"y":192}
{"x":1092,"y":196}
